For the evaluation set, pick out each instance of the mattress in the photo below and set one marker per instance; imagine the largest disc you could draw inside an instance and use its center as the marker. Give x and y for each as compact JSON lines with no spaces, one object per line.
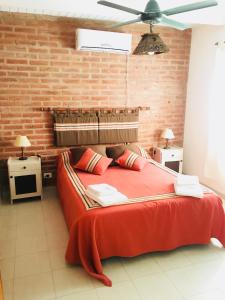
{"x":154,"y":218}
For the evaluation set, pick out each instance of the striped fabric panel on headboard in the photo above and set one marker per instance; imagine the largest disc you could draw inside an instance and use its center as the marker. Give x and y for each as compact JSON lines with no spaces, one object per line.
{"x":118,"y":127}
{"x":75,"y":128}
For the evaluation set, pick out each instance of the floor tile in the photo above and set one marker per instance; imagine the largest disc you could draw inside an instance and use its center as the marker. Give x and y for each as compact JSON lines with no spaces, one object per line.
{"x":57,"y":258}
{"x":7,"y":267}
{"x":50,"y":193}
{"x":7,"y":289}
{"x":198,"y":278}
{"x":119,"y":291}
{"x":51,"y":209}
{"x":156,"y":287}
{"x":6,"y":208}
{"x":8,"y":233}
{"x":171,"y":259}
{"x":58,"y":239}
{"x":36,"y":227}
{"x":90,"y":295}
{"x":31,"y":264}
{"x":28,"y":208}
{"x":33,"y":239}
{"x":140,"y":266}
{"x":114,"y":269}
{"x":31,"y":244}
{"x":54,"y":223}
{"x":8,"y":220}
{"x":71,"y":279}
{"x":30,"y":218}
{"x":209,"y":295}
{"x":7,"y":248}
{"x":34,"y":287}
{"x":199,"y":253}
{"x":51,"y":205}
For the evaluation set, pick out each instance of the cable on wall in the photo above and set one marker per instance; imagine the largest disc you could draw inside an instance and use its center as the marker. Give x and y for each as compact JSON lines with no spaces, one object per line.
{"x":127,"y":82}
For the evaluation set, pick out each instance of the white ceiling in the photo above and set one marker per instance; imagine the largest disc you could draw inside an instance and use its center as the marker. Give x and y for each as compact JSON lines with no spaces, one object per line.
{"x":89,"y":9}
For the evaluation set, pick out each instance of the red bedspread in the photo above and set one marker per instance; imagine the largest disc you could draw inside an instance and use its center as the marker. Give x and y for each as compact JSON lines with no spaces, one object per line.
{"x":135,"y":228}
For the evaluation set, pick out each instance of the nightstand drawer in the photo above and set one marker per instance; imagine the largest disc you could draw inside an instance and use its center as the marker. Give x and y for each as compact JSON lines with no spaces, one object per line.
{"x":173,"y":155}
{"x":32,"y":163}
{"x":23,"y":167}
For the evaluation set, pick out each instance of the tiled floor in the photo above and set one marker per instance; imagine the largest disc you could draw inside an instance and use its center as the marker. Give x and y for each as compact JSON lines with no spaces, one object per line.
{"x":33,"y":238}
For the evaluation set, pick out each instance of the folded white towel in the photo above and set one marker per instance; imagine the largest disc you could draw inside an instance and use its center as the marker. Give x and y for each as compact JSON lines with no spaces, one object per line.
{"x":108,"y":200}
{"x":186,"y":179}
{"x":194,"y":190}
{"x":101,"y":189}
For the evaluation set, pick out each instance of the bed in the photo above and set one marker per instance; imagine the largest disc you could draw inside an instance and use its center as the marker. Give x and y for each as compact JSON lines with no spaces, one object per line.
{"x":153,"y":219}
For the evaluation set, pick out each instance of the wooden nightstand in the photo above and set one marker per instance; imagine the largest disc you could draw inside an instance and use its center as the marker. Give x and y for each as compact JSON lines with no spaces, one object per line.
{"x":171,"y":157}
{"x":25,"y":179}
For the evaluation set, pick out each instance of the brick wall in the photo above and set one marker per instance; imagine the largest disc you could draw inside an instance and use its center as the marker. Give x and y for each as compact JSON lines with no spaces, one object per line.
{"x":41,"y":68}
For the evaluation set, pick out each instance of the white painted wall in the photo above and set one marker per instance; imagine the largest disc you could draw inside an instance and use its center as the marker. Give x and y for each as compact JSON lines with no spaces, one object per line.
{"x":202,"y":59}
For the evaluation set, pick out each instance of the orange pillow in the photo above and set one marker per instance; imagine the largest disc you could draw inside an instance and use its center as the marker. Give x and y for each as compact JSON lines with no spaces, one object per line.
{"x":93,"y":162}
{"x":131,"y":160}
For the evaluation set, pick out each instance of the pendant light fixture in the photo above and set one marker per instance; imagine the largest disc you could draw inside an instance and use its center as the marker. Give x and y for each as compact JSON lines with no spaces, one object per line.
{"x":150,"y":44}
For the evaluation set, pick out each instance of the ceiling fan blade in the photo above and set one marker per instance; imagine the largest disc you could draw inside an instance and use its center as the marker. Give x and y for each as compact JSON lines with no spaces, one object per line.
{"x":120,"y":7}
{"x":172,"y":23}
{"x":189,"y":7}
{"x":126,"y":23}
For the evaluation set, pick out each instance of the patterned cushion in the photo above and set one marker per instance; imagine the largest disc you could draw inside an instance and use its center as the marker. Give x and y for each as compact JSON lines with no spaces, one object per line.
{"x":115,"y":152}
{"x":93,"y":162}
{"x":131,"y":160}
{"x":138,"y":149}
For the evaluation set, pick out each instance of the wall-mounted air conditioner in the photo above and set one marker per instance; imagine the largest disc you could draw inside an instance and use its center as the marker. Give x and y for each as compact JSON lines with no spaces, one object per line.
{"x":103,"y":41}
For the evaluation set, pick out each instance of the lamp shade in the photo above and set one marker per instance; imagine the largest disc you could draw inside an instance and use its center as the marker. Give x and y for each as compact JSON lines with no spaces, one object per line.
{"x":22,"y":141}
{"x":151,"y":43}
{"x":167,"y":133}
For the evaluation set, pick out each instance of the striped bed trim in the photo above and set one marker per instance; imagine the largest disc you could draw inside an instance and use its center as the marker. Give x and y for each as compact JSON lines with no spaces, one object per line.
{"x":75,"y":180}
{"x":91,"y":204}
{"x":75,"y":126}
{"x":149,"y":198}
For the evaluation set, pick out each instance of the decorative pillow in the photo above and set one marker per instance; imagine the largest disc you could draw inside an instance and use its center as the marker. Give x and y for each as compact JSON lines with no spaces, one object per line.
{"x":115,"y":152}
{"x":93,"y":162}
{"x":79,"y":151}
{"x":138,"y":149}
{"x":131,"y":160}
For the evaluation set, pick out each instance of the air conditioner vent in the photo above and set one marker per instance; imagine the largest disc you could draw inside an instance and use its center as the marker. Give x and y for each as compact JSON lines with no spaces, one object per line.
{"x":103,"y":41}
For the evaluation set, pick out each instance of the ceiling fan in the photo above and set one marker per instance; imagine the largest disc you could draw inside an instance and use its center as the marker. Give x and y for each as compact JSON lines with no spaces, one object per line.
{"x":153,"y":15}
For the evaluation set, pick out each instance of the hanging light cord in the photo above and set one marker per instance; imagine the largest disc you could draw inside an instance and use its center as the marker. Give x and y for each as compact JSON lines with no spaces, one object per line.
{"x":151,"y":28}
{"x":126,"y":82}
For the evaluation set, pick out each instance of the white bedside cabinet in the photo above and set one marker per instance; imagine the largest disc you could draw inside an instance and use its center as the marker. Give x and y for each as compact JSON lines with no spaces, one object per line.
{"x":25,"y":178}
{"x":171,"y":157}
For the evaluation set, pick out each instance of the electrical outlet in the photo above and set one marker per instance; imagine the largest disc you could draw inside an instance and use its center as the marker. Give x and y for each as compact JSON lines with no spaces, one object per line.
{"x":47,"y":175}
